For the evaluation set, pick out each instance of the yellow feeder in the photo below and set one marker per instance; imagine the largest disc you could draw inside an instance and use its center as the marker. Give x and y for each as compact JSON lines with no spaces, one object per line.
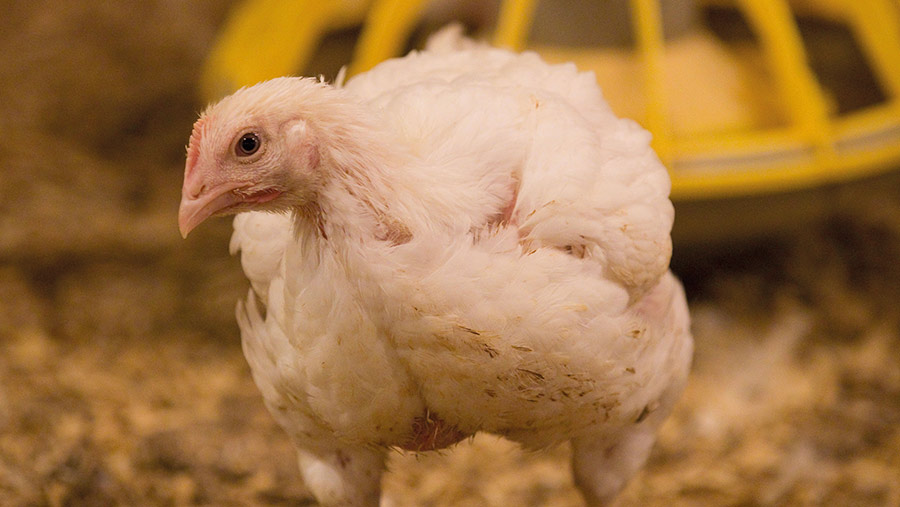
{"x":726,"y":148}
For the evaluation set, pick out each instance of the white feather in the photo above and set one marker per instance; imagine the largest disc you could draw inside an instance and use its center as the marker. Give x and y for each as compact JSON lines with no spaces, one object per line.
{"x":529,"y":295}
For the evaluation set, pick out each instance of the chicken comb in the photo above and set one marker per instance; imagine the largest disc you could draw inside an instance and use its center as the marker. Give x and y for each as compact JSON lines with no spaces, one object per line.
{"x":193,"y":147}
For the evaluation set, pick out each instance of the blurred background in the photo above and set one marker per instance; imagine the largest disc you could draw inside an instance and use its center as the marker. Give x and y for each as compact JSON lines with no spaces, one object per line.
{"x":121,"y":375}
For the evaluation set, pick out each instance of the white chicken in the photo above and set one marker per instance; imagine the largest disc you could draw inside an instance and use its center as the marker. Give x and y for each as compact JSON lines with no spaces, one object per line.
{"x":461,"y":240}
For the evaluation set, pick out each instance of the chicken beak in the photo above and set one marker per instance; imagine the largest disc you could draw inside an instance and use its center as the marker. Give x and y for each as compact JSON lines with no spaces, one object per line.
{"x":195,"y":208}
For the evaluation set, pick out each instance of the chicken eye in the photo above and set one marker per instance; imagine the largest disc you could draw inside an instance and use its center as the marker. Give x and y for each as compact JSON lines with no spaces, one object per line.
{"x":247,"y":145}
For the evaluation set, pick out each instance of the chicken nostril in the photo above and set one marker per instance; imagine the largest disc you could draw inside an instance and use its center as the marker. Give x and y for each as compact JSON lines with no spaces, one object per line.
{"x":199,"y":192}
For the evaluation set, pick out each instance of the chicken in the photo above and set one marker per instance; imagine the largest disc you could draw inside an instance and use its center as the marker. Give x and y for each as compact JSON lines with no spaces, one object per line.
{"x":461,"y":240}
